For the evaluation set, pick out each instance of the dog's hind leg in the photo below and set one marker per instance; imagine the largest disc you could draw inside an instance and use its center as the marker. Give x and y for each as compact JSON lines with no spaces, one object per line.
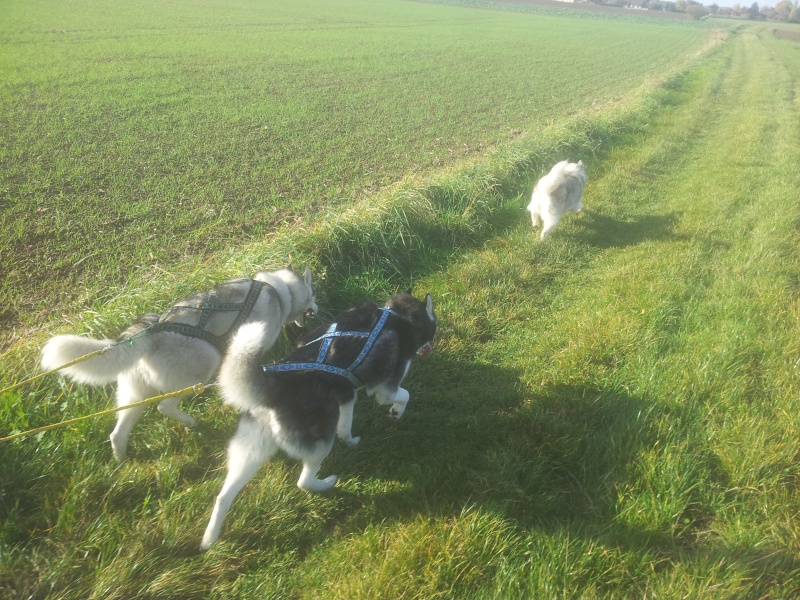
{"x":130,"y":389}
{"x":344,"y":428}
{"x":311,"y":462}
{"x":549,"y":225}
{"x":169,"y":407}
{"x":251,"y":447}
{"x":308,"y":478}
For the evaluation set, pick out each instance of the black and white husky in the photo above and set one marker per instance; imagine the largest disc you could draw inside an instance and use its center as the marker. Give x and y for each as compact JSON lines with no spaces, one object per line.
{"x":556,"y":194}
{"x":158,"y":354}
{"x":301,"y":403}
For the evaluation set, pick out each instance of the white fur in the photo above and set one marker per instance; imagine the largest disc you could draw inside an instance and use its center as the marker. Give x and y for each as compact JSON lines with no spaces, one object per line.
{"x":258,"y":437}
{"x":255,"y":442}
{"x":386,"y":395}
{"x":165,"y":362}
{"x":556,"y":194}
{"x":237,"y":384}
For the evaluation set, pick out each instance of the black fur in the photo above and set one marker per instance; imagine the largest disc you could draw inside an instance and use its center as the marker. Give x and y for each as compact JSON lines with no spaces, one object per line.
{"x":307,"y":402}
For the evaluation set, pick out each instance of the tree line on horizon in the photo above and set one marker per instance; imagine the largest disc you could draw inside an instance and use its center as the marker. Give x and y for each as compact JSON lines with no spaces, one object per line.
{"x":785,"y":10}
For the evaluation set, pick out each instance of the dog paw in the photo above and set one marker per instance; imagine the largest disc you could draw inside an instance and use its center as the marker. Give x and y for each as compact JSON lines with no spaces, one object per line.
{"x":353,"y":441}
{"x":119,"y":450}
{"x":397,"y":411}
{"x":318,"y":485}
{"x":323,"y":485}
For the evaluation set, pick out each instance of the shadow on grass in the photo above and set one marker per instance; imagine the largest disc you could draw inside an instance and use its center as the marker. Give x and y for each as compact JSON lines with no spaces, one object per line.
{"x":603,"y":232}
{"x":552,"y":461}
{"x":537,"y":459}
{"x":473,"y":436}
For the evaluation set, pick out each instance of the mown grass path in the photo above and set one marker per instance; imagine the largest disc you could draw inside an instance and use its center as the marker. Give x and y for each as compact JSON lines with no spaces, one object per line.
{"x":652,"y":444}
{"x":613,"y":413}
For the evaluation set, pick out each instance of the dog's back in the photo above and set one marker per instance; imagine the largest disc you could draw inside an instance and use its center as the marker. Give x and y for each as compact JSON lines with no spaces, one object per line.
{"x":556,"y":194}
{"x":564,"y":186}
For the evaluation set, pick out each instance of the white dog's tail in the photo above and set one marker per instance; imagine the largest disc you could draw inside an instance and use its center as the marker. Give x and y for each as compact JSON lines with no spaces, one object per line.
{"x":98,"y":370}
{"x":240,"y":376}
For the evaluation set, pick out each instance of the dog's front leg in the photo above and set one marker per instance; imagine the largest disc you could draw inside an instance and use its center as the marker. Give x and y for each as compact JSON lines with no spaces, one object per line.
{"x":398,"y":398}
{"x":308,"y":479}
{"x":344,"y":428}
{"x":399,"y":402}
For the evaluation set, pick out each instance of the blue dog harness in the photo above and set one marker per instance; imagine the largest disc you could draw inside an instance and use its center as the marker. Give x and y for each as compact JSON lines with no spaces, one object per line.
{"x":327,"y":340}
{"x":220,"y":342}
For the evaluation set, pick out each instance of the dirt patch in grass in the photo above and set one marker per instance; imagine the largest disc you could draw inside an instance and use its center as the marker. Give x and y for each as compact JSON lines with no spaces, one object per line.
{"x":786,"y":34}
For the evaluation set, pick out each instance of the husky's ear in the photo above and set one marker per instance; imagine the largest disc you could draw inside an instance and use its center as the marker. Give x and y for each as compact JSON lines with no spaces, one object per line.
{"x":429,"y":307}
{"x":307,"y":276}
{"x":289,"y":266}
{"x":408,"y":291}
{"x":580,"y":162}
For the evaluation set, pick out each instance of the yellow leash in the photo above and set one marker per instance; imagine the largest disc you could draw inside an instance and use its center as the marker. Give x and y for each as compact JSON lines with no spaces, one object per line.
{"x":198,"y":389}
{"x":69,"y":364}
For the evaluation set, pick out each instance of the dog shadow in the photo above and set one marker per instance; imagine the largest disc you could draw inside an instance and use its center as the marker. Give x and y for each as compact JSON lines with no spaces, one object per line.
{"x":601,"y":231}
{"x":536,"y":456}
{"x":545,"y":459}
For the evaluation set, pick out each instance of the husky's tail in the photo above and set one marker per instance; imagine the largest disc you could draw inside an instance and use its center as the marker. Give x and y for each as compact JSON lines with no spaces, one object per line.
{"x":97,"y":370}
{"x":240,"y":378}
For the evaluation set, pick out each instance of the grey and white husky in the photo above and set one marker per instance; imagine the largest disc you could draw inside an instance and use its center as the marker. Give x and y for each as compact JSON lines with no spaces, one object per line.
{"x":302,"y":403}
{"x":159,"y":354}
{"x":556,"y":194}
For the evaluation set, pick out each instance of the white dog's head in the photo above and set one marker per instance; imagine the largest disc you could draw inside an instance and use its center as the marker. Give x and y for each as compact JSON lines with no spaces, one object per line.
{"x":302,"y":295}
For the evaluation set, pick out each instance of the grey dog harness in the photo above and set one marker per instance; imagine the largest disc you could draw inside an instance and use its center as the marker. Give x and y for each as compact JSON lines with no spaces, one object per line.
{"x":220,"y":342}
{"x":327,"y":339}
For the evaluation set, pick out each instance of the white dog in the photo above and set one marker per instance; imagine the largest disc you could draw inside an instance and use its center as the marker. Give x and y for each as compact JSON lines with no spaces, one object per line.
{"x":158,"y":354}
{"x":556,"y":194}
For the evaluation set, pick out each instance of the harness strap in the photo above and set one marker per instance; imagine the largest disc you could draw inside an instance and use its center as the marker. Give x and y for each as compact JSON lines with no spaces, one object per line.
{"x":327,"y":340}
{"x":244,"y":307}
{"x":191,"y":331}
{"x":198,"y":331}
{"x":249,"y":302}
{"x":205,"y":315}
{"x":372,"y":336}
{"x":314,"y":366}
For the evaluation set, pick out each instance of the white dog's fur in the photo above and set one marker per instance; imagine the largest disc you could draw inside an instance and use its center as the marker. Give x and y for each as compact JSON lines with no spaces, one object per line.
{"x":556,"y":194}
{"x":163,"y":362}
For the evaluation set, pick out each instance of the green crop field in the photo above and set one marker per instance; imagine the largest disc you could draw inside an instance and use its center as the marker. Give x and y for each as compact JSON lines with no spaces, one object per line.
{"x":611,"y":413}
{"x":147,"y":134}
